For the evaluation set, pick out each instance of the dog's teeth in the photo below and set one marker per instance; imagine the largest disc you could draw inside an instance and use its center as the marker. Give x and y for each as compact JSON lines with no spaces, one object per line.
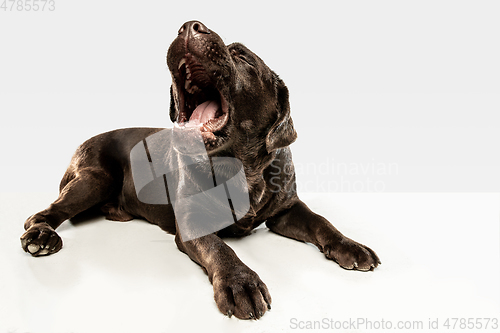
{"x":190,"y":88}
{"x":182,"y":62}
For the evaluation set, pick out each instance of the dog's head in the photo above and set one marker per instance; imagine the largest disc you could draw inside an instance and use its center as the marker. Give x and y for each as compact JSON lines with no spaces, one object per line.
{"x":228,"y":91}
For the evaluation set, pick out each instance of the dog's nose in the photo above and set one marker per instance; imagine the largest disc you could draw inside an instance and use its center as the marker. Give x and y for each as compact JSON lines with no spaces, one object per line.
{"x":193,"y":28}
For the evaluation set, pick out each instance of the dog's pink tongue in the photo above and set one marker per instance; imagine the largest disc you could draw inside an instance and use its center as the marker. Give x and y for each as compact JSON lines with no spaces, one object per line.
{"x":203,"y":113}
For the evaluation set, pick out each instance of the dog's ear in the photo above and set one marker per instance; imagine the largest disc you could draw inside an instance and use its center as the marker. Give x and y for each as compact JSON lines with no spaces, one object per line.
{"x":282,"y":132}
{"x":173,"y":111}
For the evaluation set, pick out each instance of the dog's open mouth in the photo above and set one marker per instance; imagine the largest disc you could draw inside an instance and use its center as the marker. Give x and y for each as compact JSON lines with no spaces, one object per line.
{"x":201,"y":103}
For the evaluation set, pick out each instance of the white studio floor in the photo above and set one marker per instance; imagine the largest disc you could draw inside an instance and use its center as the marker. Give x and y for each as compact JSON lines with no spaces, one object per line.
{"x":440,"y":259}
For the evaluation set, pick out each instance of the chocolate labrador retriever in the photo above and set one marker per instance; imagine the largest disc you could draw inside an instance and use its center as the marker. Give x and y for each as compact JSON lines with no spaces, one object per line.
{"x":249,"y":120}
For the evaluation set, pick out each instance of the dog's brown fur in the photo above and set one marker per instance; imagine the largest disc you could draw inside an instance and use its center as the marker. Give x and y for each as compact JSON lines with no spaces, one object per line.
{"x":258,"y":133}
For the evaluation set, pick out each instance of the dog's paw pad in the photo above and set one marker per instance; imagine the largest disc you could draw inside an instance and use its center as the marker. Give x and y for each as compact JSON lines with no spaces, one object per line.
{"x":33,"y":248}
{"x":44,"y":252}
{"x":40,"y":240}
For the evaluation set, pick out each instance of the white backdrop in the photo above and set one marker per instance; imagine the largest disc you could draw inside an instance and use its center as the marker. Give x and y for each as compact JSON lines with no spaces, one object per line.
{"x":386,"y":96}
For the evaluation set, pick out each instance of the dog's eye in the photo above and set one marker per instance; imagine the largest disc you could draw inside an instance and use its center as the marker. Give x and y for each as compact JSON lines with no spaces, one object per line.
{"x":247,"y":60}
{"x":241,"y":56}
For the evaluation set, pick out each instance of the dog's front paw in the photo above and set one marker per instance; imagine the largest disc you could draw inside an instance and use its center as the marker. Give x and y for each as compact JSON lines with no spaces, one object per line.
{"x":241,"y":293}
{"x":40,"y":240}
{"x":352,"y":255}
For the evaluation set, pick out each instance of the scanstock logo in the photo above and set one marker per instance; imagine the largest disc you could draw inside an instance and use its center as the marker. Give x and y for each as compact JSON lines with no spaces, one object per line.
{"x":207,"y":194}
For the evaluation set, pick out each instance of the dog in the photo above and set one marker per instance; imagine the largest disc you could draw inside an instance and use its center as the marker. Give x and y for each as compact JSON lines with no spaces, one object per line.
{"x":250,"y":121}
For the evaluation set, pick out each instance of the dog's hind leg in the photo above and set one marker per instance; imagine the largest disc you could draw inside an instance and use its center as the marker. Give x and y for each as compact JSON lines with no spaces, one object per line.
{"x":80,"y":190}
